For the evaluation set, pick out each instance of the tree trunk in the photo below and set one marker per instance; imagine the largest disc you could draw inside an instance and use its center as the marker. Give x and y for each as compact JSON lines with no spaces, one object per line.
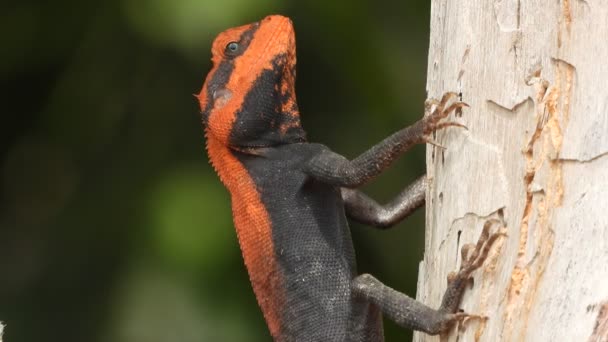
{"x":535,"y":157}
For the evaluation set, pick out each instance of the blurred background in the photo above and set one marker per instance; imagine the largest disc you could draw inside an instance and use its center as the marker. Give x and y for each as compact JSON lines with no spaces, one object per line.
{"x":113,"y":226}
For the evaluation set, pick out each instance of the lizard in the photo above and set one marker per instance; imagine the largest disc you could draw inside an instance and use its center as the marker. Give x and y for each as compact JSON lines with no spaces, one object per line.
{"x":291,"y":198}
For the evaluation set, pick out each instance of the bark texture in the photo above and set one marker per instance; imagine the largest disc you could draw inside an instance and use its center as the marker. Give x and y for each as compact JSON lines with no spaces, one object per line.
{"x":534,"y":157}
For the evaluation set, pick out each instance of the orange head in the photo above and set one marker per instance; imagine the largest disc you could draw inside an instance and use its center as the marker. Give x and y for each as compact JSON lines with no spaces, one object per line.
{"x":248,"y":99}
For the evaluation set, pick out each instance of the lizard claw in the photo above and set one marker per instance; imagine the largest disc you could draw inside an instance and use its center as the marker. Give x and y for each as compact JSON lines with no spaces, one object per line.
{"x":463,"y":317}
{"x":451,"y":319}
{"x":429,"y":106}
{"x":446,"y":98}
{"x":442,"y":125}
{"x":466,"y":251}
{"x":475,"y":259}
{"x":434,"y":143}
{"x":435,"y":111}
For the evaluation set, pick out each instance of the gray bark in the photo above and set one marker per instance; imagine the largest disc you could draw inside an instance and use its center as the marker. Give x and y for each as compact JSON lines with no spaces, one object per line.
{"x":535,"y":156}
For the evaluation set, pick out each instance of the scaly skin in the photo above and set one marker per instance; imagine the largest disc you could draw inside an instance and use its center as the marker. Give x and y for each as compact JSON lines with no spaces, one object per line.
{"x":290,"y":198}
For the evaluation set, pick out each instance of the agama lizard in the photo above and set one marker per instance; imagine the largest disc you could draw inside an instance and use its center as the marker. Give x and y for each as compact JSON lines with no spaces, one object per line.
{"x":290,"y":198}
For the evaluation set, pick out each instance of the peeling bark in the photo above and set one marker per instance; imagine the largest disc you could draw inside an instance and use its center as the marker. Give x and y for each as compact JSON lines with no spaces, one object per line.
{"x":534,"y":157}
{"x":600,"y":331}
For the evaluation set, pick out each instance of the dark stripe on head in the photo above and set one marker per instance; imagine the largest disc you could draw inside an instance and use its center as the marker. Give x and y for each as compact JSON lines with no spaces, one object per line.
{"x":224,"y":70}
{"x":218,"y":81}
{"x":245,"y":38}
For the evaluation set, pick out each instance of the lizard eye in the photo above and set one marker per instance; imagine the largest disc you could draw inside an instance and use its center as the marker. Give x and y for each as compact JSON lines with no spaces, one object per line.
{"x":232,"y":49}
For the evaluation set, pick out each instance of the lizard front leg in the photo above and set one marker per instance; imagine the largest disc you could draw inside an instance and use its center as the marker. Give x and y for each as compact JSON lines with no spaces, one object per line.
{"x":332,"y":168}
{"x":364,"y":209}
{"x":408,"y":312}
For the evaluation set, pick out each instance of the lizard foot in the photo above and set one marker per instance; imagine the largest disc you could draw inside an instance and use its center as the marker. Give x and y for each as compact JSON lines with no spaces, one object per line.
{"x":473,"y":257}
{"x":435,"y":111}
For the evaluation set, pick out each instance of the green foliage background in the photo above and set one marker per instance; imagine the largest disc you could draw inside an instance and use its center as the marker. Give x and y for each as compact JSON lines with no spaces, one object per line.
{"x":113,"y":226}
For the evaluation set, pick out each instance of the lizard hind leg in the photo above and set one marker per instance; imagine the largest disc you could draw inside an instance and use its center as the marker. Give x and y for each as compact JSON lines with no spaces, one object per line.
{"x":412,"y":314}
